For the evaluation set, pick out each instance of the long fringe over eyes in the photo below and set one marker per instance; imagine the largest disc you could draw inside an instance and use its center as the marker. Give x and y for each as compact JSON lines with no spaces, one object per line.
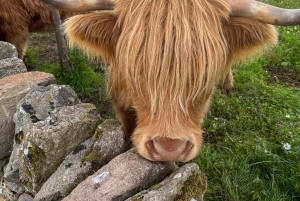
{"x":174,"y":45}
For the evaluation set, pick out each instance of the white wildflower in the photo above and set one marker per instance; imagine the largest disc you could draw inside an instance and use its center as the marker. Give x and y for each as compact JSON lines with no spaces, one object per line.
{"x":287,"y":146}
{"x":287,"y":116}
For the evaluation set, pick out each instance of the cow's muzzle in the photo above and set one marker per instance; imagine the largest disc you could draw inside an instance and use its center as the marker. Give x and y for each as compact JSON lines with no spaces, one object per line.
{"x":166,"y":149}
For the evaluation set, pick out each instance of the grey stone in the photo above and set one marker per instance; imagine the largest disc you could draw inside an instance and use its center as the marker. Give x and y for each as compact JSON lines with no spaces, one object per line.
{"x":50,"y":141}
{"x":36,"y":106}
{"x":2,"y":164}
{"x":40,"y":102}
{"x":186,"y":183}
{"x":14,"y":187}
{"x":11,"y":66}
{"x":8,"y":102}
{"x":25,"y":197}
{"x":7,"y":192}
{"x":121,"y":178}
{"x":110,"y":141}
{"x":71,"y":172}
{"x":7,"y":50}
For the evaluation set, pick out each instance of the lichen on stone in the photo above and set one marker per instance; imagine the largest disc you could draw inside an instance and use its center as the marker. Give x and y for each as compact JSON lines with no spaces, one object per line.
{"x":98,"y":135}
{"x":91,"y":155}
{"x":194,"y":188}
{"x":155,"y":187}
{"x":35,"y":155}
{"x":137,"y":198}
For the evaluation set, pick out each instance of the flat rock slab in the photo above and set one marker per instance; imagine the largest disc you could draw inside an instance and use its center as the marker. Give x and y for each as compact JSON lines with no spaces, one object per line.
{"x":121,"y":178}
{"x":7,"y":50}
{"x":11,"y":66}
{"x":39,"y":78}
{"x":187,"y":183}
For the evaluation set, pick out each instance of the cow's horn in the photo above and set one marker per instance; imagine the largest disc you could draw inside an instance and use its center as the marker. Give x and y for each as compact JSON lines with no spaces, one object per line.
{"x":80,"y":5}
{"x":265,"y":13}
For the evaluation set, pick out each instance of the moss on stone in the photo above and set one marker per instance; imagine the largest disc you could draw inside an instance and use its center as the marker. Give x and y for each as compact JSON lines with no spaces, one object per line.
{"x":194,"y":187}
{"x":36,"y":155}
{"x":90,"y":157}
{"x":27,"y":185}
{"x":26,"y":179}
{"x":98,"y":135}
{"x":137,"y":198}
{"x":155,"y":187}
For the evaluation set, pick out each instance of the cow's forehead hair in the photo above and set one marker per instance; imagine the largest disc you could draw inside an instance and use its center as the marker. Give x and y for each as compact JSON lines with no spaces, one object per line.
{"x":171,"y":51}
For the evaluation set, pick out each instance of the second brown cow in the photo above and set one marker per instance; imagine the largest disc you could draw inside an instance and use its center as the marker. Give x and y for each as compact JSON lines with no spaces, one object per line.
{"x":20,"y":17}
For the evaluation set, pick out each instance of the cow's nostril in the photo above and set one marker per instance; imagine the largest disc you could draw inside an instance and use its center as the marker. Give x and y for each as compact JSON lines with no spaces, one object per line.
{"x":152,"y":150}
{"x":165,"y":149}
{"x":188,"y":147}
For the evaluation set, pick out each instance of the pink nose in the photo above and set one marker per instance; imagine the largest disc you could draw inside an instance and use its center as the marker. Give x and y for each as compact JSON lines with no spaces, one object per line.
{"x":166,"y":149}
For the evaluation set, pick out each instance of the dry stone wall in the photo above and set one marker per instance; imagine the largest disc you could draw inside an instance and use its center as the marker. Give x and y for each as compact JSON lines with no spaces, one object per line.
{"x":54,"y":147}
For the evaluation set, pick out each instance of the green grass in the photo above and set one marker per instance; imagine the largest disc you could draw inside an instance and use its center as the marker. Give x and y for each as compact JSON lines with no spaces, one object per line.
{"x":243,"y":154}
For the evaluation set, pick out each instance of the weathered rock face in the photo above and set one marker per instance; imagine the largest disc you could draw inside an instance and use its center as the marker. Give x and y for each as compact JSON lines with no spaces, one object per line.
{"x":39,"y":103}
{"x":49,"y":141}
{"x":8,"y":102}
{"x":110,"y":141}
{"x":186,"y":183}
{"x":107,"y":142}
{"x":11,"y":66}
{"x":25,"y":197}
{"x":72,"y":171}
{"x":7,"y":50}
{"x":121,"y":178}
{"x":36,"y":106}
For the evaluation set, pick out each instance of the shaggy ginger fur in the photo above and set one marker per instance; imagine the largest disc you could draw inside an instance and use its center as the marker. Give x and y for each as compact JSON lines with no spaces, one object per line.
{"x":19,"y":17}
{"x":166,"y":59}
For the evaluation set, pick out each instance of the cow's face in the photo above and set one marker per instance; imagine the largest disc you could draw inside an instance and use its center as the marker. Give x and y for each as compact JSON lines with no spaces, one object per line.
{"x":164,"y":70}
{"x":164,"y":66}
{"x":167,"y":136}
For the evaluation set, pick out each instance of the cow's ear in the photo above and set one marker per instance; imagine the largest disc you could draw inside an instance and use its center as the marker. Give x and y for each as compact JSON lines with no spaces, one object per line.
{"x":246,"y":37}
{"x":95,"y":33}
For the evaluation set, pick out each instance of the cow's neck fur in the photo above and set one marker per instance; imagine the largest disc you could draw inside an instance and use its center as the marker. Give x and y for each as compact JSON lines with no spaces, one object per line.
{"x":176,"y":45}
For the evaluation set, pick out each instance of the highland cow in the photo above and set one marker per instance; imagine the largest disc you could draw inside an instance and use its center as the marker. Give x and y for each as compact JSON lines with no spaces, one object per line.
{"x":166,"y":58}
{"x":20,"y":17}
